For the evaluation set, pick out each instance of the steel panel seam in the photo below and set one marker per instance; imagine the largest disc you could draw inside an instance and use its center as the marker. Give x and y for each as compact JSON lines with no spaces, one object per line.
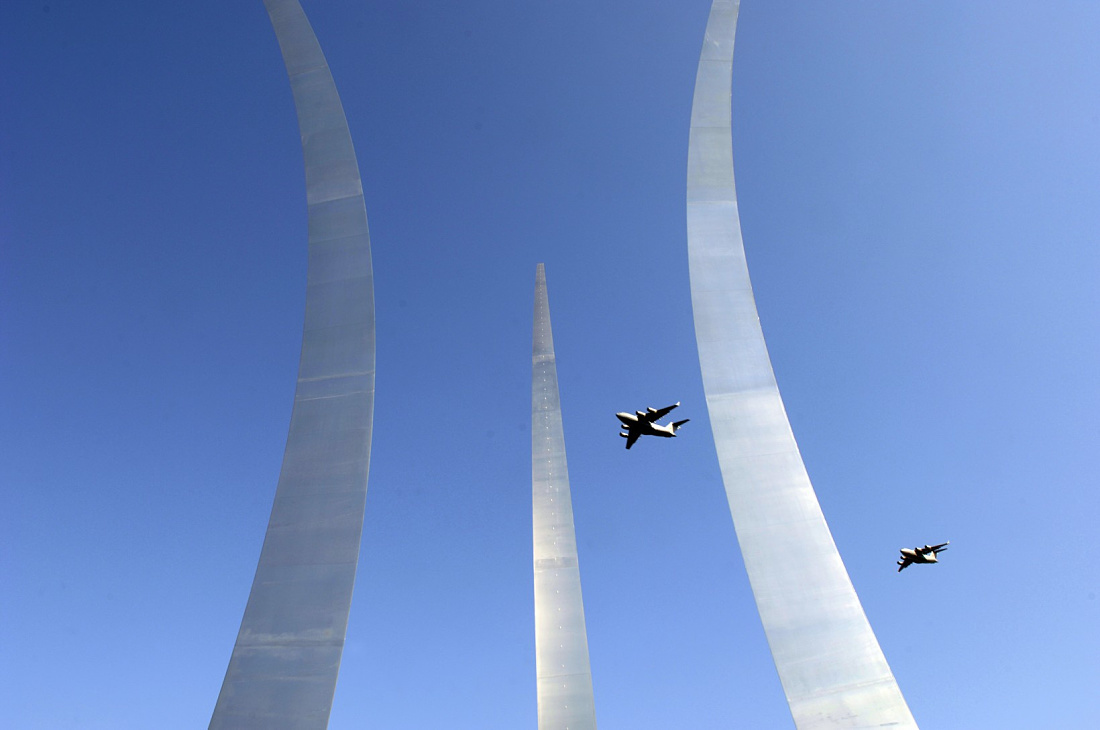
{"x":832,"y":669}
{"x":563,"y":673}
{"x":283,"y":670}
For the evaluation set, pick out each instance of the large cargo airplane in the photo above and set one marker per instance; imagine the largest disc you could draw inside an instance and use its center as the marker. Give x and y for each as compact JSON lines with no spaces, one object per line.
{"x":644,"y":423}
{"x":926,"y":554}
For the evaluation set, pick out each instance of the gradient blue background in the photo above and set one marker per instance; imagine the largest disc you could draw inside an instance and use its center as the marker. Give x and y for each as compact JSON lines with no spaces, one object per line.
{"x":920,"y":194}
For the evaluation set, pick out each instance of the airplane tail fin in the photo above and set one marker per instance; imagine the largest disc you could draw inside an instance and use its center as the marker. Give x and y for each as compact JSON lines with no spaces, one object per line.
{"x":676,"y":425}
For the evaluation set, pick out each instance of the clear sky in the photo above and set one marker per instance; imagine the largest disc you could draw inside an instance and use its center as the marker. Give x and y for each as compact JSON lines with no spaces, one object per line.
{"x":919,"y":185}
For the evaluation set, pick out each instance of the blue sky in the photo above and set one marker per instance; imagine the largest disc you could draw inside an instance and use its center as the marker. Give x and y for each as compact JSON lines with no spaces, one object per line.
{"x":918,"y":185}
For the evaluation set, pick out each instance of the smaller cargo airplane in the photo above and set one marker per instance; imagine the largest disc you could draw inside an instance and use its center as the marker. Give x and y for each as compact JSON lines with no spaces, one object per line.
{"x":645,"y":424}
{"x":926,"y":554}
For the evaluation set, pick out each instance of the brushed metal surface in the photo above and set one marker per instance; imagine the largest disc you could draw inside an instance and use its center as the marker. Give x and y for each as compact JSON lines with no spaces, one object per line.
{"x":832,"y":669}
{"x":282,"y":673}
{"x":564,"y":677}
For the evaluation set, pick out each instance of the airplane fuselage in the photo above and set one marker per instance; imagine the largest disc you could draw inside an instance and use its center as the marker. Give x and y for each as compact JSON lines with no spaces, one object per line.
{"x":917,"y":556}
{"x":637,"y":421}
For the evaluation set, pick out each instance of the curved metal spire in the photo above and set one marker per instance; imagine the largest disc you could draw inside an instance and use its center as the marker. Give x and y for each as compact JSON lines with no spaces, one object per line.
{"x":832,"y":669}
{"x":282,"y":673}
{"x":565,"y":699}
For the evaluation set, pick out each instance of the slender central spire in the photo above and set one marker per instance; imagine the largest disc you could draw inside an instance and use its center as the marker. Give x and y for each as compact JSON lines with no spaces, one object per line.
{"x":561,"y":644}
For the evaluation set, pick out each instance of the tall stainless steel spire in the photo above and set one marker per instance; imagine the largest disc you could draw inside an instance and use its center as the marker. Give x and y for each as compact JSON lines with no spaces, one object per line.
{"x":282,"y":673}
{"x":561,"y":643}
{"x":832,"y":669}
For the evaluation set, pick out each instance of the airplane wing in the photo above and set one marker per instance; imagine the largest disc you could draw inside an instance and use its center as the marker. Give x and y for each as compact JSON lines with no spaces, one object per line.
{"x":630,"y":439}
{"x":941,"y":547}
{"x":654,"y":416}
{"x":904,"y":563}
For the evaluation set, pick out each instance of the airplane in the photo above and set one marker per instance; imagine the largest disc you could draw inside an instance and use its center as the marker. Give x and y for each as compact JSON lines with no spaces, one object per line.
{"x":645,"y":424}
{"x":926,"y":554}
